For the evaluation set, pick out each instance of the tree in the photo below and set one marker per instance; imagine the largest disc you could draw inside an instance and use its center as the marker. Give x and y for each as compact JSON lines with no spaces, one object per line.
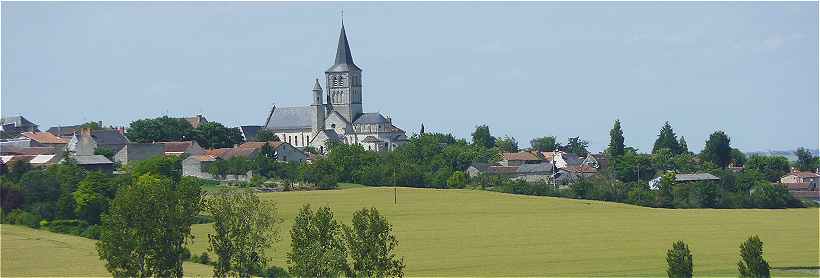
{"x":667,"y":140}
{"x":166,"y":166}
{"x":372,"y":245}
{"x":244,"y":227}
{"x":265,"y":135}
{"x":664,"y":198}
{"x":160,"y":129}
{"x":108,"y":153}
{"x":772,"y":167}
{"x":545,"y":144}
{"x":41,"y":191}
{"x":11,"y":195}
{"x":144,"y":232}
{"x":738,"y":158}
{"x":481,"y":137}
{"x":616,"y":140}
{"x":717,"y":149}
{"x":457,"y":180}
{"x":213,"y":135}
{"x":751,"y":262}
{"x":806,"y":161}
{"x":93,"y":196}
{"x":684,"y":148}
{"x":317,"y":247}
{"x":92,"y":125}
{"x":679,"y":260}
{"x":507,"y":144}
{"x":577,"y":146}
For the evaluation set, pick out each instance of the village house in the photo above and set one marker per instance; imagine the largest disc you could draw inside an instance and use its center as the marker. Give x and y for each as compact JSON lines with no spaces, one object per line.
{"x":44,"y":139}
{"x":184,"y":148}
{"x":197,"y":165}
{"x":684,"y":178}
{"x":93,"y":163}
{"x":86,"y":141}
{"x":573,"y":173}
{"x":282,"y":150}
{"x":519,"y":158}
{"x":13,"y":126}
{"x":138,"y":151}
{"x":800,"y":177}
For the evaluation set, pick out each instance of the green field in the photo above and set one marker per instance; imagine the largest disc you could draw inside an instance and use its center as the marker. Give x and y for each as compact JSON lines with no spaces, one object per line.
{"x":479,"y":233}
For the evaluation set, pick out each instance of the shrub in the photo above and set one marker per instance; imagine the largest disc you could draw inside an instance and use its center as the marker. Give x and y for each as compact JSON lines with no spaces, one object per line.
{"x":679,"y":260}
{"x":21,"y":217}
{"x":71,"y":227}
{"x":751,"y":262}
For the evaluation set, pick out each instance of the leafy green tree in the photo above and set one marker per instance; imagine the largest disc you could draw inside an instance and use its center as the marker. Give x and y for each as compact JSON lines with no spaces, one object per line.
{"x":684,"y":148}
{"x":667,"y":140}
{"x":372,"y":245}
{"x":108,"y":153}
{"x":144,"y":232}
{"x":751,"y":262}
{"x":93,"y":196}
{"x":265,"y":135}
{"x":545,"y":144}
{"x":772,"y":167}
{"x":11,"y":195}
{"x":69,"y":176}
{"x":16,"y":169}
{"x":616,"y":140}
{"x":160,"y":129}
{"x":507,"y":144}
{"x":317,"y":246}
{"x":717,"y":149}
{"x":213,"y":135}
{"x":679,"y":261}
{"x":632,"y":166}
{"x":577,"y":146}
{"x":457,"y":180}
{"x":166,"y":166}
{"x":481,"y":137}
{"x":664,"y":196}
{"x":244,"y":227}
{"x":41,"y":191}
{"x":737,"y":157}
{"x":806,"y":161}
{"x":92,"y":125}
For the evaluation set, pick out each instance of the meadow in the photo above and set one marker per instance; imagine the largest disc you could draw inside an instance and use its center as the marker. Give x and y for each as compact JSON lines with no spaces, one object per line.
{"x":480,"y":233}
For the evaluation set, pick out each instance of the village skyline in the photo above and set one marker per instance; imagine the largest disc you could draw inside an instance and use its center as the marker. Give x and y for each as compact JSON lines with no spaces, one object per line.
{"x":699,"y":76}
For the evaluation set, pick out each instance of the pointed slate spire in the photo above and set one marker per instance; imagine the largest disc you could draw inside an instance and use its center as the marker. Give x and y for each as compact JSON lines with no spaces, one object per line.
{"x":316,"y":86}
{"x":344,"y":59}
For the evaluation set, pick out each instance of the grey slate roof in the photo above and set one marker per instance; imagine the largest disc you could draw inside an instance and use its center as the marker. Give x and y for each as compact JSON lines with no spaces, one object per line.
{"x":18,"y":121}
{"x":249,"y":131}
{"x":695,"y":177}
{"x":109,"y":137}
{"x":91,"y":159}
{"x":370,"y":118}
{"x":290,"y":118}
{"x":535,"y":168}
{"x":344,"y":59}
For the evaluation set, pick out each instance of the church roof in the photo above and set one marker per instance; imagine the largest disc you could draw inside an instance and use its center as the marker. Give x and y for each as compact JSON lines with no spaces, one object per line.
{"x":290,"y":118}
{"x":317,"y":87}
{"x":344,"y":59}
{"x":370,"y":118}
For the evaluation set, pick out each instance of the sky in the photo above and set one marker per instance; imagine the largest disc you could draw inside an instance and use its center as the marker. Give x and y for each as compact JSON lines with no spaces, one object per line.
{"x":526,"y":69}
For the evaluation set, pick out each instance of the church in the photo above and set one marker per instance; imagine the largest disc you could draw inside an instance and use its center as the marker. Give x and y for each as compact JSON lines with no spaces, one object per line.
{"x":338,"y":116}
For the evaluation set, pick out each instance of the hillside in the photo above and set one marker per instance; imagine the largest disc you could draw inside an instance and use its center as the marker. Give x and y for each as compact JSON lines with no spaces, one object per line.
{"x":468,"y":232}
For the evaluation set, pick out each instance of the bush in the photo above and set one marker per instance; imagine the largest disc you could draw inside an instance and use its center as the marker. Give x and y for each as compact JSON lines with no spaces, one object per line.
{"x":92,"y":232}
{"x":71,"y":227}
{"x":21,"y":217}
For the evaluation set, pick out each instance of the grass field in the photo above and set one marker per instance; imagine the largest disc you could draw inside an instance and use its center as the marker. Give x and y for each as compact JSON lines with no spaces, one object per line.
{"x":469,"y":232}
{"x":30,"y":252}
{"x":478,"y":233}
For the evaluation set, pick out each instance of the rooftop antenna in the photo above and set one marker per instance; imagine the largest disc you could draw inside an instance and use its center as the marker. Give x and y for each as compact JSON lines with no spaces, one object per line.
{"x":343,"y":16}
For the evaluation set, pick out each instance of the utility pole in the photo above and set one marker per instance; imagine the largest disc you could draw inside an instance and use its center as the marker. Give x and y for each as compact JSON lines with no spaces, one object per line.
{"x":395,"y":195}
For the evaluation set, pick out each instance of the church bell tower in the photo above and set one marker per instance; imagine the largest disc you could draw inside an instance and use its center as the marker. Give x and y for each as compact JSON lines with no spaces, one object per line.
{"x":344,"y":82}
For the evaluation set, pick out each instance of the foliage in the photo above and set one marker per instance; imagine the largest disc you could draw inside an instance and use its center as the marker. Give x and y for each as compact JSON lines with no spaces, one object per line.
{"x":93,"y":196}
{"x":684,"y":148}
{"x":664,"y":197}
{"x":632,"y":167}
{"x":21,"y":217}
{"x":92,"y":125}
{"x":213,"y":135}
{"x":317,"y":247}
{"x":767,"y":195}
{"x":244,"y":227}
{"x":507,"y":144}
{"x":166,"y":166}
{"x":322,"y":173}
{"x":806,"y":161}
{"x":772,"y":167}
{"x":11,"y":195}
{"x":717,"y":149}
{"x":545,"y":144}
{"x":16,"y":169}
{"x":144,"y":231}
{"x":667,"y":140}
{"x":108,"y":153}
{"x":481,"y":137}
{"x":577,"y":146}
{"x":679,"y":260}
{"x":751,"y":262}
{"x":41,"y":191}
{"x":160,"y":129}
{"x":457,"y":180}
{"x":737,"y":157}
{"x":265,"y":135}
{"x":372,"y":245}
{"x":616,"y":140}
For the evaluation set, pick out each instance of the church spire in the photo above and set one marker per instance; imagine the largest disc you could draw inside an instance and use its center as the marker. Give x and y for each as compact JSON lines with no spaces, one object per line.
{"x":344,"y":59}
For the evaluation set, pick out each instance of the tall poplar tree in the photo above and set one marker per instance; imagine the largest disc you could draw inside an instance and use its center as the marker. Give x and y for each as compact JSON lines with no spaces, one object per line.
{"x":616,"y":140}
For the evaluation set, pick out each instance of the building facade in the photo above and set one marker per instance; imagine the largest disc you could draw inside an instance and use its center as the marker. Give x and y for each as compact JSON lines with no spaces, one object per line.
{"x":337,"y":116}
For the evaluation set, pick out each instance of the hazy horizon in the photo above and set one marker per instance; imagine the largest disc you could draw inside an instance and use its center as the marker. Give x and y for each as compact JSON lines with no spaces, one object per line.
{"x":526,"y":69}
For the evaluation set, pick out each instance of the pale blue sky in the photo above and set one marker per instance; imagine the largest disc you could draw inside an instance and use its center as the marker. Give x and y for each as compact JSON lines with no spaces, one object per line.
{"x":526,"y":69}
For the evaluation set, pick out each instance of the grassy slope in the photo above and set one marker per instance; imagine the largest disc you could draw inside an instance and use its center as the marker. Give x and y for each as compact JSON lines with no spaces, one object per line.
{"x":465,"y":232}
{"x":30,"y":252}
